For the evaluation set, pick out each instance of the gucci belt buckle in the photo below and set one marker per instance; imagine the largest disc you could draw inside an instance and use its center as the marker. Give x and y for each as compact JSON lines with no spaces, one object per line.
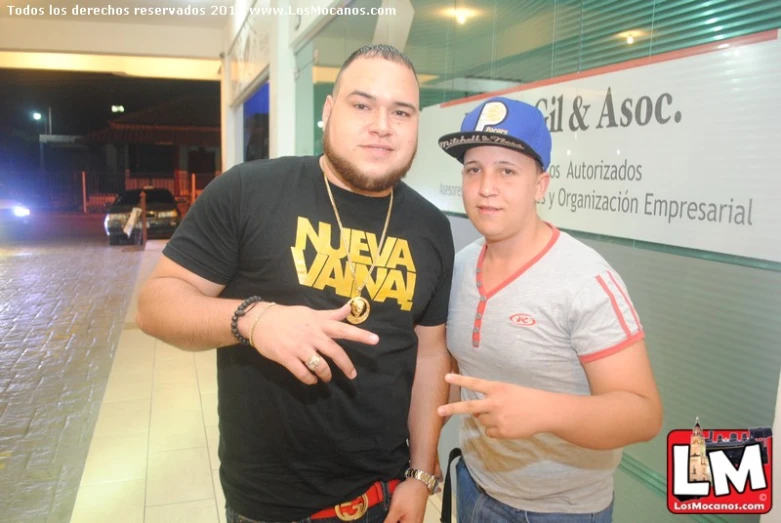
{"x":354,"y":509}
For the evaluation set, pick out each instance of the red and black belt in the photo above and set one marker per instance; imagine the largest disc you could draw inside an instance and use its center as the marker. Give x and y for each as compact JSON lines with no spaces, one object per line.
{"x":355,"y":509}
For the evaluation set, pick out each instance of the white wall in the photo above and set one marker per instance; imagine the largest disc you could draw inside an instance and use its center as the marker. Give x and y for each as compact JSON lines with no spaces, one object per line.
{"x":232,"y":117}
{"x":21,"y":34}
{"x":284,"y":33}
{"x":303,"y":27}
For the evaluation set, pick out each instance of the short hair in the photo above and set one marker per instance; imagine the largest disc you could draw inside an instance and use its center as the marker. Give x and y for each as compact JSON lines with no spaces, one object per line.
{"x":384,"y":51}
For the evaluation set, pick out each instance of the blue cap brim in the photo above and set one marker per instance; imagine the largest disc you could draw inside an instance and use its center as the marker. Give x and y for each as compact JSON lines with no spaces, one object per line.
{"x":456,"y":144}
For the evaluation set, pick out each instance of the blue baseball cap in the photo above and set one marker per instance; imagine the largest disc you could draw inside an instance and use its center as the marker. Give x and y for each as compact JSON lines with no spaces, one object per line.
{"x":506,"y":123}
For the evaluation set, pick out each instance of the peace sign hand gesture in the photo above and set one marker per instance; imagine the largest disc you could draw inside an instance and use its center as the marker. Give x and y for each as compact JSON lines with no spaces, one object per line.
{"x":506,"y":411}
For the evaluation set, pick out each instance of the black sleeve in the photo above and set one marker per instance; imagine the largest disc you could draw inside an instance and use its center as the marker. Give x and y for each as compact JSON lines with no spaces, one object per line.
{"x":207,"y":241}
{"x":436,"y":310}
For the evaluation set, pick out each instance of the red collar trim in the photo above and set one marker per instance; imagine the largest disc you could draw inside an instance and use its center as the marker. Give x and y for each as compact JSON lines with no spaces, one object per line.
{"x":479,"y":273}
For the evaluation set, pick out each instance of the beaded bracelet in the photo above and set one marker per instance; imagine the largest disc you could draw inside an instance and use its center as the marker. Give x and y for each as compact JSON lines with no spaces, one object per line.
{"x":241,"y":311}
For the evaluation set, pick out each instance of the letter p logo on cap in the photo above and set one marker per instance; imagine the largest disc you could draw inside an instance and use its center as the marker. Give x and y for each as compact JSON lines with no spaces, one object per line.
{"x":493,"y":113}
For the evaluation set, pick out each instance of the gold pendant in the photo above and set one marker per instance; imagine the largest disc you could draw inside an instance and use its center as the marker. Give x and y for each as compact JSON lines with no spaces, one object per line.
{"x":359,"y":310}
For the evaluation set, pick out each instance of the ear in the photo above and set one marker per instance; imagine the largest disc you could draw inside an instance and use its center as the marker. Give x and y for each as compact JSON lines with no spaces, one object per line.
{"x":328,"y":106}
{"x":541,"y":187}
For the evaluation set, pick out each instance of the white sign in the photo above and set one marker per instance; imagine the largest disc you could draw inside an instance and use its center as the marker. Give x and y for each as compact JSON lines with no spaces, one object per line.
{"x":135,"y":215}
{"x":679,"y":149}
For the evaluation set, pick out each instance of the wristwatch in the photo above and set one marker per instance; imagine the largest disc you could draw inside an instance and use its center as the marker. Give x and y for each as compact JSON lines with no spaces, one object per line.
{"x":429,"y":480}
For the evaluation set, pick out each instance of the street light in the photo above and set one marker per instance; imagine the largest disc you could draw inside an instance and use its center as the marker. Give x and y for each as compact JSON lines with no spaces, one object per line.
{"x":38,"y":117}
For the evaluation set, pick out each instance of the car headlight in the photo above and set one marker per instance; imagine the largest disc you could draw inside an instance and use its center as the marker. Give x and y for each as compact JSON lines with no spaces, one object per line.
{"x":21,"y":212}
{"x":167,"y":214}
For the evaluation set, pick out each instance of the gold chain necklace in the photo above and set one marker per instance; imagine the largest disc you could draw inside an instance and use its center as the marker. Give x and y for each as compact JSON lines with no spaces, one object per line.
{"x":359,"y":306}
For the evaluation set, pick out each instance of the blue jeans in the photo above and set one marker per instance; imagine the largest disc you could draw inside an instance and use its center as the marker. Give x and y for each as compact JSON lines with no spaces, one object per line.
{"x":475,"y":506}
{"x":375,"y":514}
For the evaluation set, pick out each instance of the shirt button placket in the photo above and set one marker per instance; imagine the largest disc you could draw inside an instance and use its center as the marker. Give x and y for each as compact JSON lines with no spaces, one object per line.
{"x":480,"y":307}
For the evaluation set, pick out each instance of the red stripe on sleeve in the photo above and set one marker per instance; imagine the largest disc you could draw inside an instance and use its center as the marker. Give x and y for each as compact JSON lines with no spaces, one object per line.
{"x":626,"y":299}
{"x":613,"y":301}
{"x":588,"y":358}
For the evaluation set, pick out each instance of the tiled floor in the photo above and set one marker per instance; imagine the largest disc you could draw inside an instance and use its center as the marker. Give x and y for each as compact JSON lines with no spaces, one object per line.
{"x":153,"y":456}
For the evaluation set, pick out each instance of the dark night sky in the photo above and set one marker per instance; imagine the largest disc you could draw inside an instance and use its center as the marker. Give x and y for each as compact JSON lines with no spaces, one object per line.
{"x":81,"y":102}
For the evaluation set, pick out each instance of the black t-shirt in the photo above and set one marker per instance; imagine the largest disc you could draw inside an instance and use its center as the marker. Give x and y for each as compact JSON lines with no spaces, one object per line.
{"x":267,"y":228}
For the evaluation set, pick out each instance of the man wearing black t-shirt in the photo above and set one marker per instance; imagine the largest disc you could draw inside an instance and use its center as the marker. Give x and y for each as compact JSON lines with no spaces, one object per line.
{"x":321,"y":419}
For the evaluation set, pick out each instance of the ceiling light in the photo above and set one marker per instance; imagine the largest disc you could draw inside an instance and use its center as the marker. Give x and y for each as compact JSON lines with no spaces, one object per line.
{"x":632,"y":35}
{"x":460,"y":14}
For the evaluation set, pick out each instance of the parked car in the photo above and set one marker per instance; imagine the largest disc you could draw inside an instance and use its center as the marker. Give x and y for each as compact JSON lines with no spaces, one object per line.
{"x":162,"y":215}
{"x":14,"y":215}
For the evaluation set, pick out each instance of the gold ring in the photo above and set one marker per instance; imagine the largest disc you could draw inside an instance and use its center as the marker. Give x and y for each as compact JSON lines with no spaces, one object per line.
{"x":313,"y":362}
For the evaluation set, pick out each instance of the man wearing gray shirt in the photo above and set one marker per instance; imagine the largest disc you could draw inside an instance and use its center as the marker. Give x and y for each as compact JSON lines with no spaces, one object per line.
{"x":554,"y":375}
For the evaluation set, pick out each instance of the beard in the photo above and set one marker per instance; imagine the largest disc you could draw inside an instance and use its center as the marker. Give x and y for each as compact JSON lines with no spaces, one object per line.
{"x":350,"y":173}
